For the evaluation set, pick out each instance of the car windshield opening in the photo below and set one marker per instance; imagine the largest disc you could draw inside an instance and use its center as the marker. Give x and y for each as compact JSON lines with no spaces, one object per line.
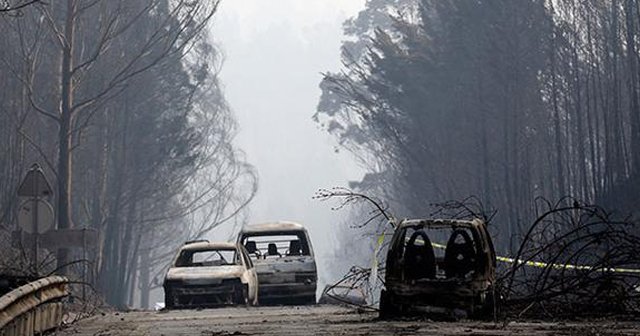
{"x":448,"y":252}
{"x":276,"y":245}
{"x":213,"y":257}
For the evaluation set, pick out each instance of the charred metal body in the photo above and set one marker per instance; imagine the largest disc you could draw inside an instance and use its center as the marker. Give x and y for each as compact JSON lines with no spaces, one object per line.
{"x":455,"y":284}
{"x":284,"y":262}
{"x":225,"y":276}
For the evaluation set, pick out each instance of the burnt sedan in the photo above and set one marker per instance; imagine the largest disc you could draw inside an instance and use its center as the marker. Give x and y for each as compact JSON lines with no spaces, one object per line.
{"x":449,"y":281}
{"x":205,"y":274}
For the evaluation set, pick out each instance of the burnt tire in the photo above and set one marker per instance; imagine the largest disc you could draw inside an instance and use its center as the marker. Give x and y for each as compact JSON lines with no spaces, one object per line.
{"x":388,"y":309}
{"x":490,"y":306}
{"x":241,"y":295}
{"x":308,"y":300}
{"x":169,"y":299}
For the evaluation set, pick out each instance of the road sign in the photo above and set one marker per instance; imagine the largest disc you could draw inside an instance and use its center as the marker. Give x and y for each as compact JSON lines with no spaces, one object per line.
{"x":54,"y":239}
{"x":35,"y":211}
{"x":43,"y":219}
{"x":35,"y":184}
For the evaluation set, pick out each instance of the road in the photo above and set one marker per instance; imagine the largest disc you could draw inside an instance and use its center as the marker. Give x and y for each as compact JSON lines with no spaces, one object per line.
{"x":313,"y":320}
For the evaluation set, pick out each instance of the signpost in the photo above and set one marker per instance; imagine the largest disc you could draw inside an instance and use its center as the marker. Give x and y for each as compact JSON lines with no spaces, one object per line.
{"x":36,"y":220}
{"x":35,"y":213}
{"x":55,"y":239}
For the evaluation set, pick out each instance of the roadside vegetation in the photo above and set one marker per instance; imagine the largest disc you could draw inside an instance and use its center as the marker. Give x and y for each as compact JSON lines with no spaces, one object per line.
{"x":120,"y":103}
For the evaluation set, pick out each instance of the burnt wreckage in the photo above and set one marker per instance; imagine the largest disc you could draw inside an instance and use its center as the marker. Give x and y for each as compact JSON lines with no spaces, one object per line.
{"x":454,"y":282}
{"x":205,"y":274}
{"x":284,"y":262}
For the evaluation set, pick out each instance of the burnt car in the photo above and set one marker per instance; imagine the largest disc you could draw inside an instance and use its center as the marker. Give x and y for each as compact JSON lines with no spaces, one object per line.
{"x":284,"y":262}
{"x":451,"y":281}
{"x":205,"y":274}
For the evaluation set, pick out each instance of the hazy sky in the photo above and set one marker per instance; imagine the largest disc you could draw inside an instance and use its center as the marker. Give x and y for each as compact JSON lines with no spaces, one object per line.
{"x":274,"y":53}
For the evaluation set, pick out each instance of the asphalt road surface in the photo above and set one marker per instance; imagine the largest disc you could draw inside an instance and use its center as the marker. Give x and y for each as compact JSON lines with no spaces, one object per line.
{"x":315,"y":320}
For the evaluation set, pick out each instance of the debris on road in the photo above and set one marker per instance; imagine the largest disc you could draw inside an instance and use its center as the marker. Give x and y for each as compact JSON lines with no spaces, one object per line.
{"x":352,"y":290}
{"x":575,"y":260}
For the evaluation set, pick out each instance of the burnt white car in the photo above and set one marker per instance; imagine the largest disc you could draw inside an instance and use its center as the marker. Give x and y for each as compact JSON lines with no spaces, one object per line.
{"x":284,"y":262}
{"x":205,"y":274}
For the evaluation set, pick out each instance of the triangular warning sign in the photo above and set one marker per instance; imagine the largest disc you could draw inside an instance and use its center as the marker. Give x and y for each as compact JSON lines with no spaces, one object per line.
{"x":35,"y":184}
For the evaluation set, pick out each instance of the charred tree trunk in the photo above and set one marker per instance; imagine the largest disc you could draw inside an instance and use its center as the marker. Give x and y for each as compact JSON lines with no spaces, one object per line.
{"x":64,"y":135}
{"x":145,"y":275}
{"x":632,"y":58}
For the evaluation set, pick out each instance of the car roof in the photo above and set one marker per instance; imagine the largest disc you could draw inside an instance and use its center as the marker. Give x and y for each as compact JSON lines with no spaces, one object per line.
{"x":440,"y":223}
{"x":204,"y":245}
{"x":273,"y":226}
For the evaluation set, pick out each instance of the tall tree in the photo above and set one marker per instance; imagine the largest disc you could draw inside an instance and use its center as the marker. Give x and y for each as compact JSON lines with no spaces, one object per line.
{"x":509,"y":101}
{"x":414,"y":102}
{"x":143,"y":147}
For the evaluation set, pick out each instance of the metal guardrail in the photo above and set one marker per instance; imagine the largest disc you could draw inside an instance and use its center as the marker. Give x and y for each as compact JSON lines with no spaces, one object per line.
{"x":33,"y":308}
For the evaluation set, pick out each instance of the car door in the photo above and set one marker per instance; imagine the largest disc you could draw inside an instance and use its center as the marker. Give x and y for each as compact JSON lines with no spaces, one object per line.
{"x":252,"y":275}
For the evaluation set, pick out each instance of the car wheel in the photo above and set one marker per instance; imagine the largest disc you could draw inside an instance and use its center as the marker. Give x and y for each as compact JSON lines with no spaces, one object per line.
{"x":388,"y":309}
{"x":169,"y":299}
{"x":310,"y":300}
{"x":489,"y":305}
{"x":241,"y":295}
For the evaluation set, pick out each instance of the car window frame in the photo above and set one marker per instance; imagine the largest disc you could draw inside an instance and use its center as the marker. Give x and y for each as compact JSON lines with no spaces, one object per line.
{"x":246,"y":260}
{"x":237,"y":259}
{"x":302,"y":235}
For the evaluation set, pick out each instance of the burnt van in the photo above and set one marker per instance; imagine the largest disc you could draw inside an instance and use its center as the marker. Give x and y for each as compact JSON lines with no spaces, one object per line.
{"x":283,"y":257}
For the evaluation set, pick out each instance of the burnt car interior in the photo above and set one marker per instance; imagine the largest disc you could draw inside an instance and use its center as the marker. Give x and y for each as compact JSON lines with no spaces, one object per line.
{"x":418,"y":259}
{"x":441,"y":280}
{"x":295,"y":249}
{"x":207,"y":292}
{"x":272,"y":251}
{"x":421,"y":261}
{"x":200,"y":258}
{"x":276,"y":245}
{"x":459,"y":255}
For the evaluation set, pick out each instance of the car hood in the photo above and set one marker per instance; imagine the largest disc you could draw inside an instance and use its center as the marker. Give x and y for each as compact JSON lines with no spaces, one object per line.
{"x":205,"y":273}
